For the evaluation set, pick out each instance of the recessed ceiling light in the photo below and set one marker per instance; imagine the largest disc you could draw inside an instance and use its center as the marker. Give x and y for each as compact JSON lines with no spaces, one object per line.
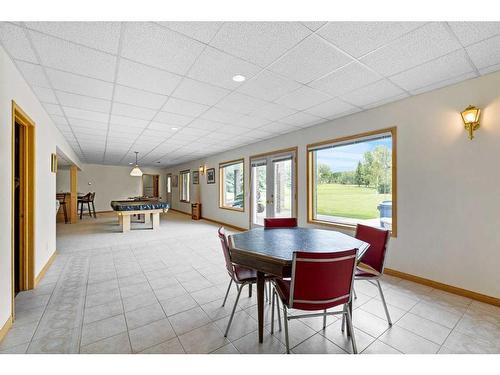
{"x":239,"y":78}
{"x":130,"y":163}
{"x":174,"y":129}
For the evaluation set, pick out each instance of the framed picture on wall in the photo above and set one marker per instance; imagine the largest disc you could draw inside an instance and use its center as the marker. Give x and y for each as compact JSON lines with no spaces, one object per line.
{"x":196,"y":177}
{"x":175,"y":181}
{"x":211,"y":176}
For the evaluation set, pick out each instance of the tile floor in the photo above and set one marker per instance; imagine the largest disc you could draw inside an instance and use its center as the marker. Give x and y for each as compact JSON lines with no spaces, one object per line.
{"x":161,"y":292}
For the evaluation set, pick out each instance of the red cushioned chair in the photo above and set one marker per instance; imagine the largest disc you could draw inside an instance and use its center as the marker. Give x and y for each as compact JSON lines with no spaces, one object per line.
{"x":280,"y":222}
{"x":371,"y":266}
{"x":241,"y":276}
{"x":319,"y":281}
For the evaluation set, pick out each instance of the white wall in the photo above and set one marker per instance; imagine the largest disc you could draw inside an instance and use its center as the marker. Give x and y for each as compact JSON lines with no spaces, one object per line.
{"x":109,"y":183}
{"x":13,"y":87}
{"x":448,"y":186}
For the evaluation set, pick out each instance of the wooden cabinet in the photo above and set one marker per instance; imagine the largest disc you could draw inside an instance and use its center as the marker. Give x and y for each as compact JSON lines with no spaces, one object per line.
{"x":196,"y":211}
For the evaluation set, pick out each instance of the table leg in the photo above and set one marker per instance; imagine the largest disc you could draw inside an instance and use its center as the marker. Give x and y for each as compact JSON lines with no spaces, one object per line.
{"x":260,"y":303}
{"x":120,"y":220}
{"x":156,"y":220}
{"x":126,"y":223}
{"x":147,"y":218}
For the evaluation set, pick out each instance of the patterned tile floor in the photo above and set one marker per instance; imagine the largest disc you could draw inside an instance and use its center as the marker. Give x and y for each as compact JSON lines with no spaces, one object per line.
{"x":161,"y":292}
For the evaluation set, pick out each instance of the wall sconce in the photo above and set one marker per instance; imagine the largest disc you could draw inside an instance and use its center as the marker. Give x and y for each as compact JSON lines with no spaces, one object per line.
{"x":470,"y":117}
{"x":202,"y":169}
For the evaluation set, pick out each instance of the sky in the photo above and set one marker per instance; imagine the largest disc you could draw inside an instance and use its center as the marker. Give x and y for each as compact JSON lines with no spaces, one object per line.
{"x":345,"y":158}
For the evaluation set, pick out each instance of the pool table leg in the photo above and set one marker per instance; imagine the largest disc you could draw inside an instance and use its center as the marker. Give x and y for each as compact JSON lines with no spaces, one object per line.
{"x":125,"y":223}
{"x":147,"y":218}
{"x":156,"y":220}
{"x":120,"y":219}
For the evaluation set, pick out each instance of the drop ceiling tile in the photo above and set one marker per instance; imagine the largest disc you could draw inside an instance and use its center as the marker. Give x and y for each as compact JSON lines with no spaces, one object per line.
{"x":373,"y":93}
{"x":268,"y":86}
{"x":443,"y":68}
{"x":159,"y":126}
{"x":133,"y":111}
{"x":359,"y":38}
{"x":146,"y":78}
{"x":100,"y":35}
{"x":183,"y":107}
{"x":417,"y":47}
{"x":250,"y":122}
{"x":59,"y":120}
{"x":44,"y":94}
{"x":80,"y":85}
{"x":346,"y":79}
{"x":489,"y":69}
{"x":88,"y":131}
{"x":157,"y":46}
{"x":443,"y":83}
{"x":332,"y":108}
{"x":173,"y":119}
{"x":386,"y":101}
{"x":33,"y":73}
{"x":301,"y":119}
{"x":196,"y":132}
{"x":80,"y":123}
{"x":128,"y":122}
{"x":259,"y":42}
{"x":199,"y":92}
{"x":485,"y":53}
{"x":138,"y":98}
{"x":16,"y":43}
{"x":259,"y":134}
{"x":83,"y":102}
{"x":279,"y":128}
{"x":303,"y":98}
{"x":310,"y":59}
{"x":53,"y":109}
{"x":216,"y":114}
{"x":228,"y":129}
{"x":204,"y":124}
{"x":241,"y":103}
{"x":274,"y":112}
{"x":218,"y":68}
{"x":181,"y":137}
{"x":85,"y":115}
{"x":473,"y":32}
{"x":59,"y":54}
{"x":313,"y":25}
{"x":201,"y":31}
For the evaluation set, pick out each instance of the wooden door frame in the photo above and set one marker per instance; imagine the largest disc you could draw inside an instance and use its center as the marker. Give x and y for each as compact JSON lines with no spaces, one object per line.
{"x":27,"y":250}
{"x":155,"y":177}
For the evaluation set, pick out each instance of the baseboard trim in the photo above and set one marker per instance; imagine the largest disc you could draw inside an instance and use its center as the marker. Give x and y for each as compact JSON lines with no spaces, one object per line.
{"x":224,"y":224}
{"x":445,"y":287}
{"x":5,"y":328}
{"x":45,"y":268}
{"x":180,"y":212}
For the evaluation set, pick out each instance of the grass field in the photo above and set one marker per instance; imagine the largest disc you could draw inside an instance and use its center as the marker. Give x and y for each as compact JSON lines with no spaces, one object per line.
{"x":349,"y":201}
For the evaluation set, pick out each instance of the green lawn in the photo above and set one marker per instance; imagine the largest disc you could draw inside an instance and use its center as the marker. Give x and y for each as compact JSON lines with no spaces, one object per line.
{"x":349,"y":201}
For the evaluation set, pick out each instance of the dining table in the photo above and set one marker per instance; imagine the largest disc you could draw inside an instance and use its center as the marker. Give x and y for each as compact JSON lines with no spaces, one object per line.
{"x":269,"y":251}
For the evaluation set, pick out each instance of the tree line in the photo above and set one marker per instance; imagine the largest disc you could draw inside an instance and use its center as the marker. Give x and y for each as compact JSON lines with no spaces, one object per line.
{"x":373,"y":171}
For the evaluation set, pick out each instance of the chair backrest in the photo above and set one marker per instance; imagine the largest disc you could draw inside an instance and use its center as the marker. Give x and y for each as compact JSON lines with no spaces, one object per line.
{"x":322,"y":280}
{"x":92,"y":196}
{"x":280,"y":222}
{"x":378,"y":240}
{"x":61,"y":197}
{"x":225,"y":250}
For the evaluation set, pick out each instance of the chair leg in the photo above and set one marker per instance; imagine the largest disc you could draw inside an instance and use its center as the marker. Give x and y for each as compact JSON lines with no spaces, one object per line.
{"x":93,"y":209}
{"x":227,"y":292}
{"x":272,"y":314}
{"x":353,"y":340}
{"x":343,"y":321}
{"x":269,"y":283}
{"x":285,"y":319}
{"x":250,"y":290}
{"x":324,"y":320}
{"x":90,"y":211}
{"x":354,"y":292}
{"x":65,"y":213}
{"x":266,"y":296}
{"x":278,"y":307}
{"x":385,"y":304}
{"x":81,"y":210}
{"x":234,"y":309}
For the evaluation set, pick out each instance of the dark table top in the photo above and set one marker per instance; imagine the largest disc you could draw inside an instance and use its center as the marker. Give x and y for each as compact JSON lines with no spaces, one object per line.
{"x":138,"y":205}
{"x":280,"y":243}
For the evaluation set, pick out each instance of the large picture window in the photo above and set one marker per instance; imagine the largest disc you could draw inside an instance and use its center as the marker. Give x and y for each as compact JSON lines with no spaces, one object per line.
{"x":353,"y":180}
{"x":232,"y":194}
{"x":185,"y":186}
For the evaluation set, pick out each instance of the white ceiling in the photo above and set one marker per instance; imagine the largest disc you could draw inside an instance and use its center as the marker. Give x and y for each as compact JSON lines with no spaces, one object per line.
{"x":115,"y":88}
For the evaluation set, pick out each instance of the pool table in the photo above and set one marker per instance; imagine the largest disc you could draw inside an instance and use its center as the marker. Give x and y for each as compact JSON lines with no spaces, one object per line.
{"x":150,"y":208}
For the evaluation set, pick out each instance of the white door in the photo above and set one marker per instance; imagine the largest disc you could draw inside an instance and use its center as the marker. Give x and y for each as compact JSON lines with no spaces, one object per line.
{"x":273,"y":187}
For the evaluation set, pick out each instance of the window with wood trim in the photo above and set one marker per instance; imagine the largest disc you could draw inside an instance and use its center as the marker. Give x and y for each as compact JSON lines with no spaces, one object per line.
{"x":352,"y":180}
{"x":231,"y":185}
{"x":185,"y":186}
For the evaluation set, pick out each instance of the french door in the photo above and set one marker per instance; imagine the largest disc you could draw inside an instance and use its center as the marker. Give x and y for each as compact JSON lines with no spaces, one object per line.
{"x":273,"y":186}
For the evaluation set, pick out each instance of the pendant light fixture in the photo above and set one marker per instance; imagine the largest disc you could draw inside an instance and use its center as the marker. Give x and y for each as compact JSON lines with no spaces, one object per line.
{"x":136,"y":171}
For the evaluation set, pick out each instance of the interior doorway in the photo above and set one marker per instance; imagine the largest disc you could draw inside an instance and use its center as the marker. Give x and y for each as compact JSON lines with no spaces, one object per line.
{"x":23,"y":201}
{"x":169,"y":189}
{"x":273,"y":186}
{"x":150,"y":185}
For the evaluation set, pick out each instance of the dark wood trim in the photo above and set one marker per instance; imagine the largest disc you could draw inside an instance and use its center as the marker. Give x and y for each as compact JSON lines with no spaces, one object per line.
{"x":445,"y":287}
